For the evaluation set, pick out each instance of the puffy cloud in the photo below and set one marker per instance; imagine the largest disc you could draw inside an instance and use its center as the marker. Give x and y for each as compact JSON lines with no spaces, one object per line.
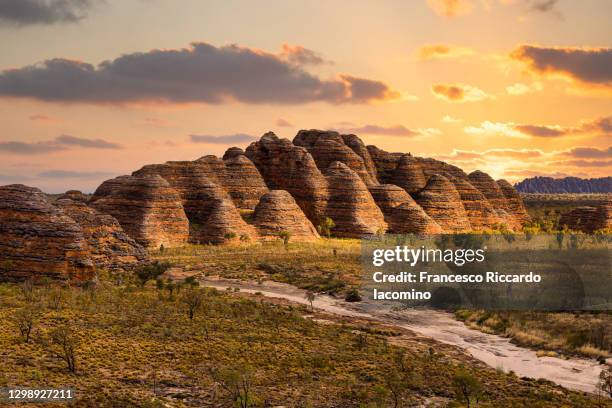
{"x":63,"y":142}
{"x":521,"y":89}
{"x":31,"y":148}
{"x":597,"y":126}
{"x":450,"y":8}
{"x":26,"y":12}
{"x":583,"y":163}
{"x":458,"y":93}
{"x":301,"y":56}
{"x":397,"y":130}
{"x":67,"y":140}
{"x":225,"y":139}
{"x":588,"y":152}
{"x":587,"y":65}
{"x":280,"y":122}
{"x":450,"y":119}
{"x":201,"y":73}
{"x":441,"y":51}
{"x":70,"y":174}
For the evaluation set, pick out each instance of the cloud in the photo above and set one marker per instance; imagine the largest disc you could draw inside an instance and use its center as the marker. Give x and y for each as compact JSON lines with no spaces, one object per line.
{"x":543,"y":6}
{"x":68,"y":140}
{"x":587,"y":65}
{"x":442,"y":51}
{"x":201,"y":73}
{"x":397,"y":130}
{"x":520,"y":173}
{"x":491,"y":153}
{"x":30,"y":148}
{"x":299,"y":55}
{"x":583,"y":163}
{"x":522,"y":89}
{"x":42,"y":118}
{"x":588,"y":152}
{"x":450,"y":119}
{"x":156,"y":122}
{"x":70,"y":174}
{"x":226,"y":139}
{"x":60,"y":143}
{"x":459,"y":93}
{"x":598,"y":126}
{"x":450,"y":8}
{"x":280,"y":122}
{"x":28,"y":12}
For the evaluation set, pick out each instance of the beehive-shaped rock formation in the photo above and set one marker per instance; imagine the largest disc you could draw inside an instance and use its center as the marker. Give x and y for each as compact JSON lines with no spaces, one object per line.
{"x":409,"y":175}
{"x":357,"y":145}
{"x":243,"y":182}
{"x":285,"y":166}
{"x":385,"y":163}
{"x":108,"y":245}
{"x":589,"y":219}
{"x":351,"y":205}
{"x":402,"y":214}
{"x":442,"y":202}
{"x":232,"y":152}
{"x":75,"y":195}
{"x":148,"y":209}
{"x":277,"y":213}
{"x":514,"y":202}
{"x":493,"y":193}
{"x":39,"y":240}
{"x":479,"y":210}
{"x":327,"y":147}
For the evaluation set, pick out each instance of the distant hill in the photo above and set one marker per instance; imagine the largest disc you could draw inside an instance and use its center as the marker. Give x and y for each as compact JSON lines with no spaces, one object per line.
{"x":565,"y":185}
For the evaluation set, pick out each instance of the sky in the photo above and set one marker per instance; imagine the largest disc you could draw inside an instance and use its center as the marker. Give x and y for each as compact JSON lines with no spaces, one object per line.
{"x":92,"y":89}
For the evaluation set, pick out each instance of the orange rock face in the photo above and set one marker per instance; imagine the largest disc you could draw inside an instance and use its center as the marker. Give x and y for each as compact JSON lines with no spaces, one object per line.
{"x":409,"y":174}
{"x":278,"y":213}
{"x":39,"y":240}
{"x":514,"y":202}
{"x":402,"y":214}
{"x":285,"y":166}
{"x":148,"y":209}
{"x":442,"y":202}
{"x":480,"y":212}
{"x":108,"y":245}
{"x":351,"y":205}
{"x":589,"y":219}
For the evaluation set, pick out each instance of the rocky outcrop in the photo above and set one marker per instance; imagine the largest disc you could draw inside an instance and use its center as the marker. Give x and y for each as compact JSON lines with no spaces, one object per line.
{"x":74,"y":195}
{"x":589,"y":219}
{"x":147,"y":208}
{"x":357,"y":145}
{"x":38,"y":240}
{"x":243,"y":182}
{"x":385,"y":163}
{"x":442,"y":202}
{"x":514,"y":202}
{"x":327,"y":147}
{"x":351,"y":205}
{"x":278,"y":213}
{"x":212,"y":215}
{"x":480,"y":212}
{"x":409,"y":175}
{"x":232,"y":152}
{"x":494,"y":194}
{"x":402,"y":214}
{"x":285,"y":166}
{"x":549,"y":185}
{"x":432,"y":166}
{"x":108,"y":245}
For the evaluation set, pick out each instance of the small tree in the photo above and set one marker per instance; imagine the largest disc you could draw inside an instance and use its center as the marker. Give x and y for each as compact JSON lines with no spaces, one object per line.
{"x":25,"y":319}
{"x":237,"y":382}
{"x":63,"y":344}
{"x":151,"y":271}
{"x":193,"y":298}
{"x":605,"y":381}
{"x":467,"y":387}
{"x":310,"y":297}
{"x":285,"y":236}
{"x":326,"y":227}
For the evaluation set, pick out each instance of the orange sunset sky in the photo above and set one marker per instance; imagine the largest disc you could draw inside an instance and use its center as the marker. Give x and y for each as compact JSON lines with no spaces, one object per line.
{"x":93,"y":89}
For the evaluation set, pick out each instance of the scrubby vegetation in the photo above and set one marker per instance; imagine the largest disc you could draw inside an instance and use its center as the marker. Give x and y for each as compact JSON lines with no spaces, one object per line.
{"x":127,"y":345}
{"x":588,"y":334}
{"x":546,"y":209}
